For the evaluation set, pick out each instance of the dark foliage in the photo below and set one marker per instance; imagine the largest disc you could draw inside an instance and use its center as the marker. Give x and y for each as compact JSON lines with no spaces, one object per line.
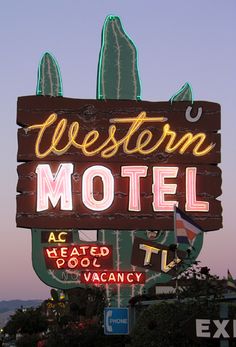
{"x":27,"y":340}
{"x":29,"y":321}
{"x":164,"y":324}
{"x":198,"y":283}
{"x":85,"y":335}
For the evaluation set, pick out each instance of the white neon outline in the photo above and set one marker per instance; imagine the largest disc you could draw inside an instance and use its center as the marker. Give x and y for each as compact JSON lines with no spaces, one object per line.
{"x":134,"y":173}
{"x":53,"y":252}
{"x":59,"y":263}
{"x":87,"y":262}
{"x":87,"y":188}
{"x":70,"y":263}
{"x":160,"y":188}
{"x":54,"y":187}
{"x":191,"y":195}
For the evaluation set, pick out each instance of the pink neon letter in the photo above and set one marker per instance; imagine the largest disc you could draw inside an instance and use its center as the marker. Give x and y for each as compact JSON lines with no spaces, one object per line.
{"x":160,"y":189}
{"x":87,"y":188}
{"x":191,"y":196}
{"x":54,"y":186}
{"x":134,"y":173}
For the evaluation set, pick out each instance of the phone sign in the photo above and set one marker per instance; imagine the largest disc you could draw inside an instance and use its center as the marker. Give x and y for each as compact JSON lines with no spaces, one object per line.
{"x":116,"y":321}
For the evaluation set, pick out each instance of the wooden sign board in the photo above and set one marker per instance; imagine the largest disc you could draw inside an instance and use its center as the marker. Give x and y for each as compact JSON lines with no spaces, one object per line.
{"x":116,"y":131}
{"x":117,"y":164}
{"x":156,"y":257}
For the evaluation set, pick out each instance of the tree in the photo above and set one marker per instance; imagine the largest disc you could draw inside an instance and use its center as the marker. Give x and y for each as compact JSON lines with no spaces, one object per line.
{"x":28,"y":321}
{"x":81,"y":323}
{"x":198,"y":283}
{"x":86,"y":302}
{"x":164,"y":324}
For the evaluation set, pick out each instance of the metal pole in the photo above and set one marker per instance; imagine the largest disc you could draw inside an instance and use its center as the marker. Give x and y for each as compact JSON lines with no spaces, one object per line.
{"x":224,"y":313}
{"x":176,"y":257}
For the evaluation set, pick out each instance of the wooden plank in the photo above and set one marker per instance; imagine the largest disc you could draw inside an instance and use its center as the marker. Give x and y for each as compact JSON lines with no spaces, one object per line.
{"x":100,"y":115}
{"x":139,"y":254}
{"x":118,"y":216}
{"x":77,"y":220}
{"x":26,"y":150}
{"x":32,"y":109}
{"x":208,"y":179}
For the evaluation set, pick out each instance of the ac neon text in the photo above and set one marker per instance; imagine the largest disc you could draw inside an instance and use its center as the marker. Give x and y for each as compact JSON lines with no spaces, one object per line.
{"x":61,"y":238}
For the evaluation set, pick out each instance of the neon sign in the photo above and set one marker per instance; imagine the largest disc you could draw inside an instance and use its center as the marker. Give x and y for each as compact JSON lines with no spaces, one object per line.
{"x":111,"y":144}
{"x":78,"y":257}
{"x":112,"y":277}
{"x":156,"y":257}
{"x":108,"y":188}
{"x":116,"y":164}
{"x":57,"y":187}
{"x":54,"y":186}
{"x":56,"y":236}
{"x":134,"y":173}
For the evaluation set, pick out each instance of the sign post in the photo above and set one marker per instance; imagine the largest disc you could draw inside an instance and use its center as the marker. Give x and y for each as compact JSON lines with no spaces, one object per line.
{"x":224,"y":313}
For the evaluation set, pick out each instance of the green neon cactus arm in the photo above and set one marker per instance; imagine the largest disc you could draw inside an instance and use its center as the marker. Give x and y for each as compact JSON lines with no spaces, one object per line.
{"x":49,"y":80}
{"x":184,"y":94}
{"x":118,"y":76}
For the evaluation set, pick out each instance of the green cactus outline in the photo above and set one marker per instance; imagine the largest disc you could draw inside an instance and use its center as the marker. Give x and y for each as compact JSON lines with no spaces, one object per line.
{"x":58,"y":91}
{"x":101,"y":60}
{"x":181,"y":94}
{"x":119,"y":236}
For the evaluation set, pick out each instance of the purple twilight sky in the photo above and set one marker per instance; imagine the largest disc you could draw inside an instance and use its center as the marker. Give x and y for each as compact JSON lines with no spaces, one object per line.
{"x":178,"y":41}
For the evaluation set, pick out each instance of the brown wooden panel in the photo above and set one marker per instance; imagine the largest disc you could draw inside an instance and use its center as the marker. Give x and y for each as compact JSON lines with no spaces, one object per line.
{"x":208,"y":179}
{"x":30,"y":109}
{"x":117,"y":216}
{"x":26,"y":151}
{"x":95,"y":114}
{"x":158,"y":221}
{"x":139,"y":254}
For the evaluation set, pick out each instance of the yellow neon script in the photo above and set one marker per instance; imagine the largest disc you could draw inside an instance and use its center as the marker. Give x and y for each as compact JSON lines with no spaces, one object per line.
{"x":109,"y":147}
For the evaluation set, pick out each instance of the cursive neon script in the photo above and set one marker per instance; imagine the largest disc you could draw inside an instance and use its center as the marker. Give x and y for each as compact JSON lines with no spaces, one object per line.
{"x":112,"y":143}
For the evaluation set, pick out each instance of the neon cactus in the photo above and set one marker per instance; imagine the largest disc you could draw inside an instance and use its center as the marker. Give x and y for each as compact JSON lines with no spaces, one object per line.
{"x":184,"y":94}
{"x":118,"y":76}
{"x":49,"y":78}
{"x":117,"y":79}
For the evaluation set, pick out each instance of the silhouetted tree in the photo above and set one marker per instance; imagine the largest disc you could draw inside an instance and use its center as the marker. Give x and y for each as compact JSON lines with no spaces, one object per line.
{"x":28,"y":321}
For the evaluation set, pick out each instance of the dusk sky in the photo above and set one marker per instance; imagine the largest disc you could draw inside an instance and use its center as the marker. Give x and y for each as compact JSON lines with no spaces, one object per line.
{"x":177,"y":41}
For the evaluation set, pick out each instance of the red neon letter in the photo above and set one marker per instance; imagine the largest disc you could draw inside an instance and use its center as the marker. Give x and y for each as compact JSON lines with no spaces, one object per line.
{"x":191,"y":196}
{"x":87,"y":188}
{"x":134,"y":173}
{"x":54,"y":186}
{"x":160,"y":188}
